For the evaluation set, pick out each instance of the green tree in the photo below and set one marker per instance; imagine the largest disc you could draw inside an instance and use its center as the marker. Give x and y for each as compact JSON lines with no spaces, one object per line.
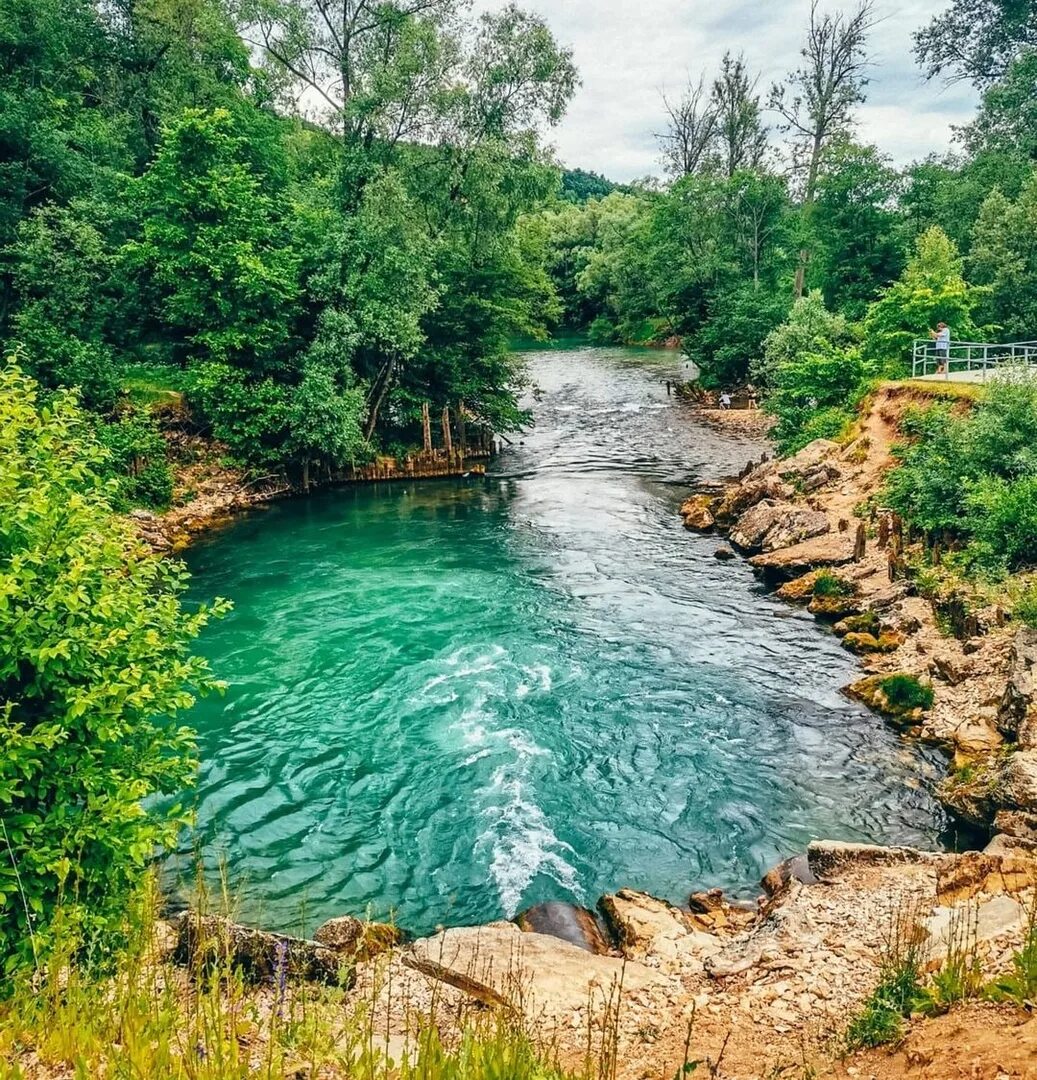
{"x":1007,"y":119}
{"x":855,"y":227}
{"x":95,"y":668}
{"x":931,"y":289}
{"x":976,"y":39}
{"x":62,"y":270}
{"x":212,"y":261}
{"x":1004,"y":258}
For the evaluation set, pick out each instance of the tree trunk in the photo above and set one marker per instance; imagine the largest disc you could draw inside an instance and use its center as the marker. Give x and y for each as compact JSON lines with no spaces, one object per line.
{"x":306,"y":476}
{"x":462,"y":434}
{"x":378,"y":392}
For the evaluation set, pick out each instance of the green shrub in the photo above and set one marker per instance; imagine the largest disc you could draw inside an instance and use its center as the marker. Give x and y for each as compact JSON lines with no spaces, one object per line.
{"x":974,"y":477}
{"x":828,"y":584}
{"x":1024,"y":607}
{"x":94,"y":669}
{"x":905,"y":692}
{"x":137,"y":460}
{"x":899,"y":992}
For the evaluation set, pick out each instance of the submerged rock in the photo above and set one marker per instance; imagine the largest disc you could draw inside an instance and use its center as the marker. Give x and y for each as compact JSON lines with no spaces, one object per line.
{"x":724,"y":554}
{"x":698,"y":512}
{"x":568,"y":922}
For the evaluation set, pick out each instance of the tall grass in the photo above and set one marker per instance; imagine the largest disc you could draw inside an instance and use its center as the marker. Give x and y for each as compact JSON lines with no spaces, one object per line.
{"x":144,"y":1018}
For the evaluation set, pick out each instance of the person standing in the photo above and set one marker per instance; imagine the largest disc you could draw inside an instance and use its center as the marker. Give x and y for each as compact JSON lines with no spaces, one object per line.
{"x":941,"y":346}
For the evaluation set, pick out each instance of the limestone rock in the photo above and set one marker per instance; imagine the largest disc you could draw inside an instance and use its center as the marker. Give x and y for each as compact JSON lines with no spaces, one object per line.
{"x":827,"y":550}
{"x":887,"y":641}
{"x":948,"y":927}
{"x":1003,"y":844}
{"x":974,"y":873}
{"x":355,"y":938}
{"x":551,"y":976}
{"x":576,"y":925}
{"x":976,"y":739}
{"x":698,"y":513}
{"x":210,"y":940}
{"x":834,"y":607}
{"x":762,"y":483}
{"x":1017,"y":823}
{"x":827,"y":857}
{"x":723,"y":554}
{"x":865,"y":623}
{"x":1017,"y":715}
{"x":771,"y":525}
{"x":648,"y":928}
{"x":1018,"y":787}
{"x":799,"y":590}
{"x":806,"y":461}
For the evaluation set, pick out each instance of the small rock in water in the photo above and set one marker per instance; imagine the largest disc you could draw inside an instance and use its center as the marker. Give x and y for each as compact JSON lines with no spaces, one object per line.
{"x":723,"y":554}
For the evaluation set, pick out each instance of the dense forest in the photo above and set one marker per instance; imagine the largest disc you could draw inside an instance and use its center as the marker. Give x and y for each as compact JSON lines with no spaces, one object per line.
{"x":304,"y":217}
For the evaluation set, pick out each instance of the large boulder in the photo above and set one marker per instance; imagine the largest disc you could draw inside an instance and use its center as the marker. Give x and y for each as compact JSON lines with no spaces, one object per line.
{"x":1017,"y":715}
{"x":356,"y":939}
{"x":568,"y":922}
{"x":827,"y":550}
{"x":771,"y":525}
{"x":763,"y":483}
{"x":697,"y":512}
{"x":806,"y":462}
{"x":1017,"y":789}
{"x":499,"y":963}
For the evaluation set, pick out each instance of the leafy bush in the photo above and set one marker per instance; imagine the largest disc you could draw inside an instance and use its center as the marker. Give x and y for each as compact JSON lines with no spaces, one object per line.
{"x":905,"y":692}
{"x":974,"y":477}
{"x":1024,"y":607}
{"x":731,"y":341}
{"x":899,"y":992}
{"x":932,"y":289}
{"x":810,"y":327}
{"x":94,"y":669}
{"x":815,"y":395}
{"x":137,"y":460}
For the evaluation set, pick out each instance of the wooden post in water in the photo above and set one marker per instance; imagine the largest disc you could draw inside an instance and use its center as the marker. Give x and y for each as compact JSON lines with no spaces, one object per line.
{"x":448,"y":442}
{"x":462,"y":431}
{"x":426,"y":429}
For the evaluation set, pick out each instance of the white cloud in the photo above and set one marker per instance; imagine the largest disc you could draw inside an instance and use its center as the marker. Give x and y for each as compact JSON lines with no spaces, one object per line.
{"x":630,"y":53}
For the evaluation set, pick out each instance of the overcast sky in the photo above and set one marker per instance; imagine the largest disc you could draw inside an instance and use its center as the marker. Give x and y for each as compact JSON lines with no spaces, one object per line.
{"x":629,"y":52}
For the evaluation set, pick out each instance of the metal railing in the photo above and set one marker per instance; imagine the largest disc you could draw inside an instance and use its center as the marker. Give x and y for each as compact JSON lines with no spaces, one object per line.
{"x":966,"y":356}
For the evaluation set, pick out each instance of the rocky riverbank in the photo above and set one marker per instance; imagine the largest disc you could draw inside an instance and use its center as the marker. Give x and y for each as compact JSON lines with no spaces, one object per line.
{"x":813,"y":527}
{"x":760,"y":992}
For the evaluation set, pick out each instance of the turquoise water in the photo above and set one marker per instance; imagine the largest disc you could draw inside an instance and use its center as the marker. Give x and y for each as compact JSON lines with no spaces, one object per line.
{"x":453,"y":700}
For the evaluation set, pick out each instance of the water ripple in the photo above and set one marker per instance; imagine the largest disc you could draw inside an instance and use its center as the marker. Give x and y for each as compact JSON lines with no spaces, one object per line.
{"x":453,"y":700}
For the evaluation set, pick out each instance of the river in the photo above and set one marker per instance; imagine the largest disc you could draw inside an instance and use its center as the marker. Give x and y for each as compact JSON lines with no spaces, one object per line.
{"x":450,"y":700}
